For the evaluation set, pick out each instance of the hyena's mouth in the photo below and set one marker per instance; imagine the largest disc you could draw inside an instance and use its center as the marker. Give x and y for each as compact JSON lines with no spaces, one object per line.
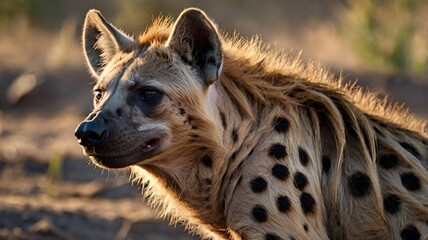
{"x":144,"y":151}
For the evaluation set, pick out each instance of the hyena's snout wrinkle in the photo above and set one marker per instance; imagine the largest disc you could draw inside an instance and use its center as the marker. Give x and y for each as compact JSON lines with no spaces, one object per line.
{"x":91,"y":133}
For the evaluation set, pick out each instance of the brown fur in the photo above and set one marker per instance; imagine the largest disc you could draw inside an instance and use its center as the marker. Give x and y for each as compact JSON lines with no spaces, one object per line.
{"x":327,"y":118}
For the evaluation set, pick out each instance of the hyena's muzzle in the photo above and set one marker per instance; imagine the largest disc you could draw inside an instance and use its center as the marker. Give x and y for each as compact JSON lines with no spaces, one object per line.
{"x":112,"y":142}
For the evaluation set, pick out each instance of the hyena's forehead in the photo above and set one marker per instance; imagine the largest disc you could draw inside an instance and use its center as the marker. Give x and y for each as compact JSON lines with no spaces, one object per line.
{"x":138,"y":68}
{"x":115,"y":70}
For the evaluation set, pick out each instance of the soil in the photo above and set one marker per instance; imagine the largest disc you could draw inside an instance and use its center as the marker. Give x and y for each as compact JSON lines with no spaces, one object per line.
{"x":48,"y":189}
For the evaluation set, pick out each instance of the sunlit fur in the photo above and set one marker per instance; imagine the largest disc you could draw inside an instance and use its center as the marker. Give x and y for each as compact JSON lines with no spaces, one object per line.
{"x":257,"y":84}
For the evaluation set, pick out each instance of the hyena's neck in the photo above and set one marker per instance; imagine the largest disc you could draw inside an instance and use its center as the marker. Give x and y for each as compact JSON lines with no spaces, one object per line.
{"x":193,"y":173}
{"x":236,"y":141}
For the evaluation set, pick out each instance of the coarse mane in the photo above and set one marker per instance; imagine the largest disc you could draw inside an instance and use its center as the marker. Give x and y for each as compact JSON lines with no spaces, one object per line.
{"x":265,"y":65}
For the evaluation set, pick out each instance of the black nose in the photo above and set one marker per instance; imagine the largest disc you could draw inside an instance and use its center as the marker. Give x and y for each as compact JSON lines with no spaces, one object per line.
{"x":91,"y":133}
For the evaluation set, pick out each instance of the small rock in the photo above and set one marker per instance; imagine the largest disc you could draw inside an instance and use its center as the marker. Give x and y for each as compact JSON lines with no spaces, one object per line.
{"x":35,"y":167}
{"x":4,"y":232}
{"x":21,"y":86}
{"x":17,"y":231}
{"x":46,"y":227}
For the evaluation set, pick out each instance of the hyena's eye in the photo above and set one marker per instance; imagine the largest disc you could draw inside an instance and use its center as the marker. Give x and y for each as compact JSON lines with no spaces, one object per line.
{"x":150,"y":93}
{"x":97,"y":95}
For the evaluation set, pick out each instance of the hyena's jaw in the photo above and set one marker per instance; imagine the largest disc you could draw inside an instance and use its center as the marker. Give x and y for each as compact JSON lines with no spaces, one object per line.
{"x":116,"y":152}
{"x":145,"y":151}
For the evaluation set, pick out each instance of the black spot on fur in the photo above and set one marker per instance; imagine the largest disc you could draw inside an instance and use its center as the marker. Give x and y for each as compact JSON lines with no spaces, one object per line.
{"x":300,"y":181}
{"x":307,"y":203}
{"x":258,"y":184}
{"x":189,"y":119}
{"x":272,"y":236}
{"x":337,"y":222}
{"x":359,"y":184}
{"x":277,"y":151}
{"x":292,"y":238}
{"x":119,"y":112}
{"x":306,"y":227}
{"x":280,"y":171}
{"x":182,"y":111}
{"x":411,"y":149}
{"x":281,"y":124}
{"x":259,"y":213}
{"x":410,"y":232}
{"x":223,"y":119}
{"x":283,"y":204}
{"x":233,"y":156}
{"x":410,"y":181}
{"x":207,"y":161}
{"x":208,"y":181}
{"x":234,"y":135}
{"x":388,"y":161}
{"x":326,"y":164}
{"x":391,"y":203}
{"x":303,"y":157}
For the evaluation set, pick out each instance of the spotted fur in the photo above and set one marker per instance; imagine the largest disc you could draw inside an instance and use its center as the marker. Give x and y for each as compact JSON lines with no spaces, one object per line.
{"x":254,"y":144}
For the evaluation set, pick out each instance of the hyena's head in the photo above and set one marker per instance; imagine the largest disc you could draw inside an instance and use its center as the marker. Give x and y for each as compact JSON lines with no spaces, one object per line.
{"x":145,"y":87}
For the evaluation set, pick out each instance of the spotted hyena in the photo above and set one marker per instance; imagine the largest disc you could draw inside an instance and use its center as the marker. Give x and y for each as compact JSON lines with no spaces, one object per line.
{"x":239,"y":142}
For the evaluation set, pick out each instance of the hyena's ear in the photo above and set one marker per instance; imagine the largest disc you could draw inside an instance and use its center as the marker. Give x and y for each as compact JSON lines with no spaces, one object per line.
{"x":101,"y":41}
{"x":196,"y":40}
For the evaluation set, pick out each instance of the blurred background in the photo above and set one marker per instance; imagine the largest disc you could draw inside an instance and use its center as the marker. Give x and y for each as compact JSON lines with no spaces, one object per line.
{"x":48,"y":190}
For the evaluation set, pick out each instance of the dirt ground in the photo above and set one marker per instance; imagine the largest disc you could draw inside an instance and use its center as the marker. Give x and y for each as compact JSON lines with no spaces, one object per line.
{"x":48,"y":190}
